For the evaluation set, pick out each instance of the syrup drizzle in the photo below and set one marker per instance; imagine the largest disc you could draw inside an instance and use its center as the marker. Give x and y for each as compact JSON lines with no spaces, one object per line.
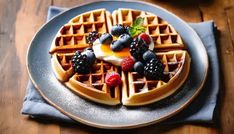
{"x":121,"y":54}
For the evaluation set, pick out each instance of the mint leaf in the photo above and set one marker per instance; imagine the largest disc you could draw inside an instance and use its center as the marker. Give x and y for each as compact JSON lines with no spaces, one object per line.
{"x":138,"y":22}
{"x":137,"y":27}
{"x":139,"y":30}
{"x":132,"y":31}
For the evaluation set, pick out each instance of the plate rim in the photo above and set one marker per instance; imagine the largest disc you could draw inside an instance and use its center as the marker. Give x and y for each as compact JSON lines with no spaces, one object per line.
{"x":129,"y":126}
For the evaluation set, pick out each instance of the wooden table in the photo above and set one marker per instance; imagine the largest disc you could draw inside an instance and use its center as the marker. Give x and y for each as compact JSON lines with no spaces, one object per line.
{"x":19,"y":21}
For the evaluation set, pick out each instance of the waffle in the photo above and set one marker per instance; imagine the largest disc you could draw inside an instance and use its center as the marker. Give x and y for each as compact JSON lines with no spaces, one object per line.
{"x":92,"y":85}
{"x":135,"y":89}
{"x":140,"y":91}
{"x":72,"y":36}
{"x":62,"y":66}
{"x":169,"y":47}
{"x":163,"y":34}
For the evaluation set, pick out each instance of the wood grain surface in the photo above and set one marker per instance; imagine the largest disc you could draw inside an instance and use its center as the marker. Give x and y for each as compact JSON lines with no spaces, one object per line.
{"x":20,"y":20}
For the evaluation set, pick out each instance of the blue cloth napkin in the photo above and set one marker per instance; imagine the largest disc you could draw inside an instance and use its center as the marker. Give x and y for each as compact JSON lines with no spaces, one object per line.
{"x":202,"y":109}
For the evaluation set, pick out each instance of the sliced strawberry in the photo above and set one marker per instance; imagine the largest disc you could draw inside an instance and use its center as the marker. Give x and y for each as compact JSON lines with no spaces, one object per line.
{"x":113,"y":79}
{"x":127,"y":63}
{"x":145,"y":37}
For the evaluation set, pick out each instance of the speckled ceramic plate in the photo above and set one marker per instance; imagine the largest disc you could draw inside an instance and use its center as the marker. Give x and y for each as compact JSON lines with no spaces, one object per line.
{"x":118,"y":117}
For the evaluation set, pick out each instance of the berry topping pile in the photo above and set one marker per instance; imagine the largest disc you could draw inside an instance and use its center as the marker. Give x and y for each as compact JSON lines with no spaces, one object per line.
{"x":123,"y":38}
{"x":82,"y":62}
{"x":113,"y":79}
{"x":146,"y":62}
{"x":142,"y":60}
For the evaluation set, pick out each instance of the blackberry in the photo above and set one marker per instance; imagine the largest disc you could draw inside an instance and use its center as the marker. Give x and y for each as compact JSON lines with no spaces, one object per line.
{"x":92,"y":37}
{"x":138,"y":48}
{"x":80,"y":64}
{"x":154,"y":69}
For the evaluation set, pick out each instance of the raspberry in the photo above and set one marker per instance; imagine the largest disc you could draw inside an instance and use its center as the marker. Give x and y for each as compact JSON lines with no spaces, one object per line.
{"x":113,"y":79}
{"x":127,"y":63}
{"x":145,"y":37}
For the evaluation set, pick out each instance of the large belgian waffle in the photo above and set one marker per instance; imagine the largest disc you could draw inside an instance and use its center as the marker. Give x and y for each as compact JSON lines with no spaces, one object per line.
{"x":135,"y":89}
